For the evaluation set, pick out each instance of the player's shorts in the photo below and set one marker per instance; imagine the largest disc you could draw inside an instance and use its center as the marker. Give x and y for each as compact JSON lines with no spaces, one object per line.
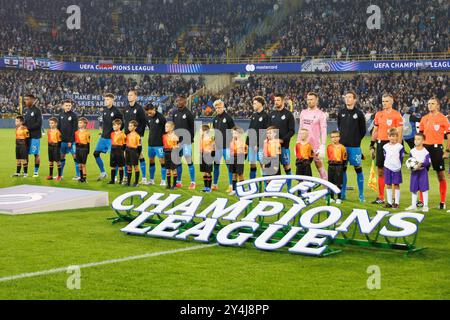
{"x":380,"y":154}
{"x":103,"y":145}
{"x":117,"y":157}
{"x":131,"y":157}
{"x":170,"y":165}
{"x":186,"y":150}
{"x":255,"y":155}
{"x":35,"y":146}
{"x":303,"y":168}
{"x":54,"y":153}
{"x":21,"y":151}
{"x":392,"y":177}
{"x":354,"y":155}
{"x":225,"y":153}
{"x":65,"y":149}
{"x":336,"y":174}
{"x":237,"y":165}
{"x":419,"y":181}
{"x":154,"y":152}
{"x":436,"y":156}
{"x":285,"y":156}
{"x":206,"y":163}
{"x":81,"y":154}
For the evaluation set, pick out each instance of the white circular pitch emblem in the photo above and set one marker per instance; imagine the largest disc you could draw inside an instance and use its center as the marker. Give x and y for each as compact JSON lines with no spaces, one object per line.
{"x":20,"y":198}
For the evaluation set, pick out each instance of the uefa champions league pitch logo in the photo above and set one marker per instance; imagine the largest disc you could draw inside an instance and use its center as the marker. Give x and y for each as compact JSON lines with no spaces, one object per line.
{"x":269,"y":217}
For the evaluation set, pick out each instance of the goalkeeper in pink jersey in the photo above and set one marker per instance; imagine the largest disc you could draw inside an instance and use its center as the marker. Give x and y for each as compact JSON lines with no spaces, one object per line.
{"x":315,"y":121}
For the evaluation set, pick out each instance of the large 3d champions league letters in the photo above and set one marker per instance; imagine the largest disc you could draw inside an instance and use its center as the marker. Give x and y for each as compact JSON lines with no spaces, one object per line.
{"x":292,"y":225}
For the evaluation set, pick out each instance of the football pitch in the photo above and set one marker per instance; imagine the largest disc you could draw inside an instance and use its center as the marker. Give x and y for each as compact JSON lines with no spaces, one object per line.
{"x":117,"y":266}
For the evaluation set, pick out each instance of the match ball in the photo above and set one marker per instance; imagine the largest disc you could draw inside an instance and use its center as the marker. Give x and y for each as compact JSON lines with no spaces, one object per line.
{"x":412,"y":164}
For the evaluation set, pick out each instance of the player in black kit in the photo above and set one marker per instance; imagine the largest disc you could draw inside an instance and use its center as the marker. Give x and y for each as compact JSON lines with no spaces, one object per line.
{"x":259,"y":122}
{"x":284,"y":120}
{"x":134,"y":111}
{"x":184,"y":128}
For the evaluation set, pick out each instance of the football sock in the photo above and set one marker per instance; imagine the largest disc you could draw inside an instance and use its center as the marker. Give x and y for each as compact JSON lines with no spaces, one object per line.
{"x":163,"y":172}
{"x":360,"y":180}
{"x":397,"y":196}
{"x":343,"y":193}
{"x":425,"y":198}
{"x":120,"y":175}
{"x":113,"y":174}
{"x":63,"y":165}
{"x":443,"y":190}
{"x":289,"y":182}
{"x":174,"y":179}
{"x":77,"y":168}
{"x":152,"y":171}
{"x":389,"y":195}
{"x":230,"y":175}
{"x":216,"y":173}
{"x":192,"y":172}
{"x":100,"y":164}
{"x":414,"y":199}
{"x":136,"y":177}
{"x":381,"y":188}
{"x":143,"y":166}
{"x":252,"y":173}
{"x":179,"y":171}
{"x":169,"y":180}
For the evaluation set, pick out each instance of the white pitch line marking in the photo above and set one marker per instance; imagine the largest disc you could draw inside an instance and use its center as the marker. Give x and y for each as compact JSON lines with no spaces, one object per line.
{"x":101,"y":263}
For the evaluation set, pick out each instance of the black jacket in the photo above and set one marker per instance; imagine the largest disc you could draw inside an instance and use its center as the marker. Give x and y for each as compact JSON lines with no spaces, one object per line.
{"x":33,"y":121}
{"x":67,"y":125}
{"x":259,"y":122}
{"x":156,"y":130}
{"x":352,"y":126}
{"x":285,"y":122}
{"x":109,"y":115}
{"x":184,"y":119}
{"x":223,"y":123}
{"x":135,"y":113}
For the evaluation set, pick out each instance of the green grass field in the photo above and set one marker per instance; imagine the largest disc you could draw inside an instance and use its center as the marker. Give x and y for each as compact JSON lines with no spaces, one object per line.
{"x":44,"y":241}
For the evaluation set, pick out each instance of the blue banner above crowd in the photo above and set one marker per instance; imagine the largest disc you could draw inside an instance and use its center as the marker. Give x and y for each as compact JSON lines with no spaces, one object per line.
{"x":315,"y":65}
{"x":95,"y":100}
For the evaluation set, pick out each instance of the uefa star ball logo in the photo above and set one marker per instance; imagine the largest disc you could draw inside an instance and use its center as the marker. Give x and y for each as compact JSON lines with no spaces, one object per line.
{"x":269,"y":216}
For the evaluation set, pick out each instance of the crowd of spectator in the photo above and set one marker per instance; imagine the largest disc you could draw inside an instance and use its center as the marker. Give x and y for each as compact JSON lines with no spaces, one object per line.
{"x":338,"y":28}
{"x":147,"y":29}
{"x":409,"y":89}
{"x":51,"y":88}
{"x":165,"y":28}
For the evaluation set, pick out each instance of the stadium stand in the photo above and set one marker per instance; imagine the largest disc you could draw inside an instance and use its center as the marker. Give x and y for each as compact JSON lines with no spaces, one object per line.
{"x":51,"y":88}
{"x":129,"y":28}
{"x":410,"y":89}
{"x":145,"y":30}
{"x":338,"y":29}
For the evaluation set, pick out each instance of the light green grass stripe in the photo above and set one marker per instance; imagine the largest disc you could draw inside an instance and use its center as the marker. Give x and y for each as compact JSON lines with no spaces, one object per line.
{"x":102,"y":263}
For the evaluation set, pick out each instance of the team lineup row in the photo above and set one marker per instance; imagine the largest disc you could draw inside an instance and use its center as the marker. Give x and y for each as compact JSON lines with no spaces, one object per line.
{"x":172,"y":140}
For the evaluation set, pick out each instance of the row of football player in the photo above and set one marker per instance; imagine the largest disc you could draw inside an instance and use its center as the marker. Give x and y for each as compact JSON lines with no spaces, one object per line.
{"x":351,"y":124}
{"x":126,"y":149}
